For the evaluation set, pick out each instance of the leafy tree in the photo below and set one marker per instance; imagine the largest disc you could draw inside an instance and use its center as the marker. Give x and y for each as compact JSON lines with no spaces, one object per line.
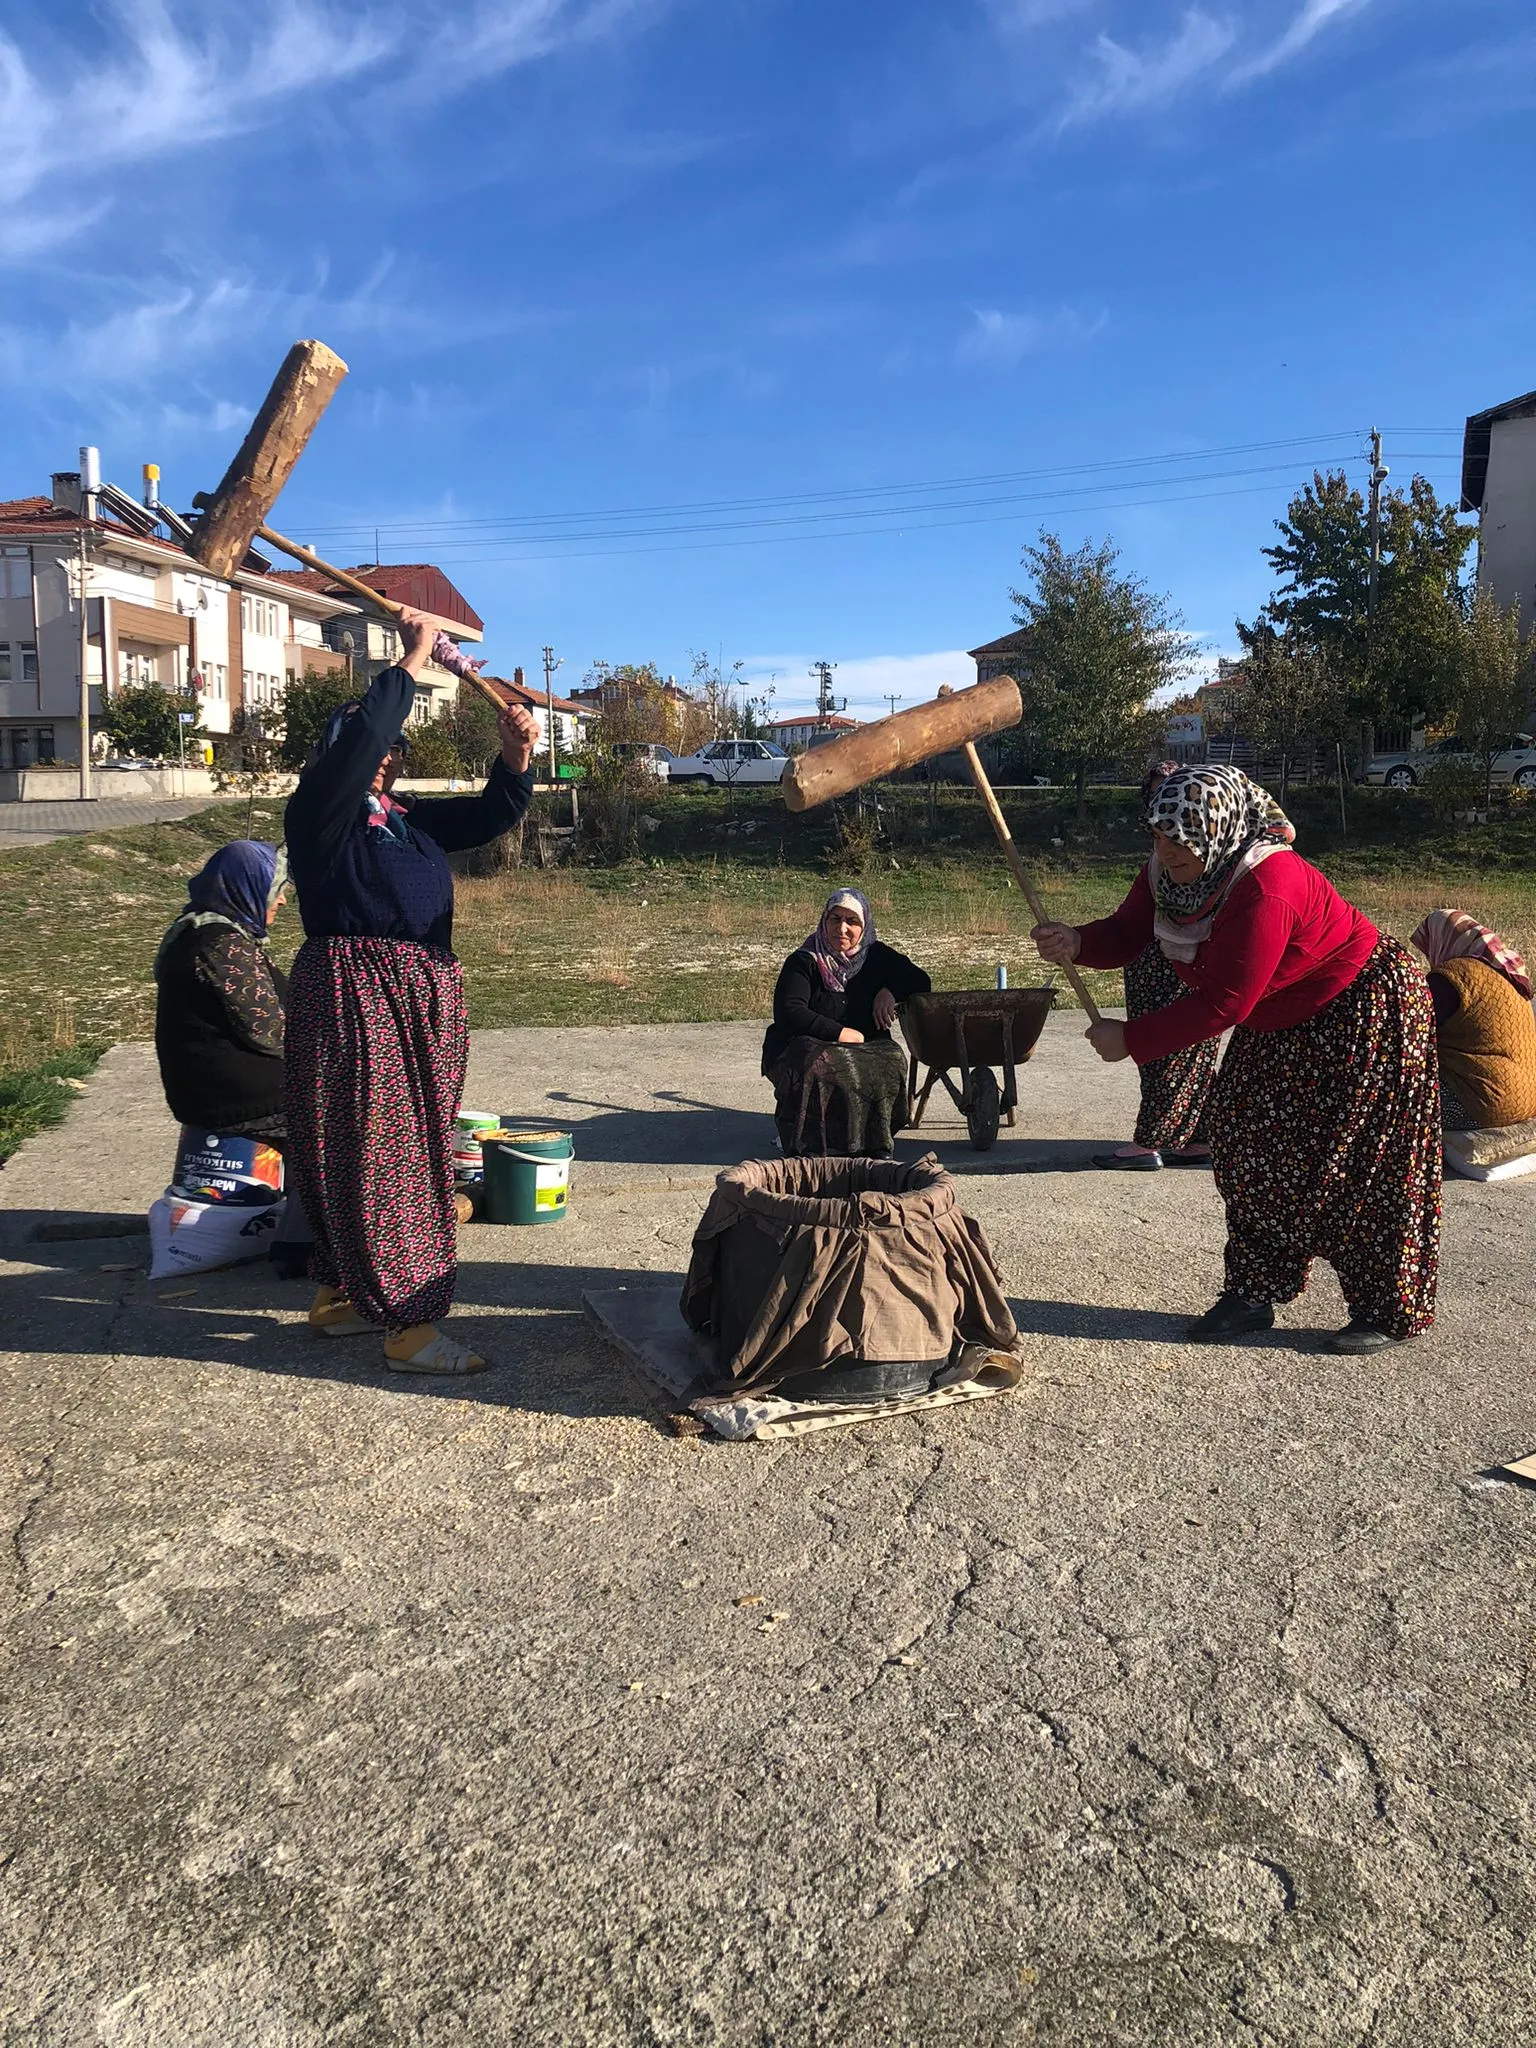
{"x":1400,"y":663}
{"x":1494,"y":677}
{"x":638,"y":704}
{"x":1101,"y":644}
{"x":144,"y":720}
{"x":1294,"y":696}
{"x":307,"y":704}
{"x":434,"y":753}
{"x":473,"y":724}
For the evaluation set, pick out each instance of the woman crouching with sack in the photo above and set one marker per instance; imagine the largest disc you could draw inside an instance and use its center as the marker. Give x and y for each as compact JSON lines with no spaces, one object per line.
{"x":1325,"y":1118}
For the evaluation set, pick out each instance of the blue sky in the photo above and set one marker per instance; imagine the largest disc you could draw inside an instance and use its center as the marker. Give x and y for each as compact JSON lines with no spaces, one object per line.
{"x":763,"y":326}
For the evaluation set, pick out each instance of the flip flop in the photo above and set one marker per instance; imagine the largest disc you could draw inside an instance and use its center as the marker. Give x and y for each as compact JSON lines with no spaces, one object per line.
{"x":1135,"y":1162}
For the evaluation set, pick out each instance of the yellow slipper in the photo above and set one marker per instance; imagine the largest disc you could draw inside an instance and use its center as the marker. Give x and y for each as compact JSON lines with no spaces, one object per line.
{"x":332,"y":1315}
{"x":425,"y":1349}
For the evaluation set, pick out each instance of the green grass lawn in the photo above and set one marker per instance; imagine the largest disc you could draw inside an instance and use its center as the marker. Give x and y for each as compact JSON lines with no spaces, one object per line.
{"x":696,"y":928}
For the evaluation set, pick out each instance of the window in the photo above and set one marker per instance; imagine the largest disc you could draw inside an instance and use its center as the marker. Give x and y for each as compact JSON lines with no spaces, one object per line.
{"x":28,"y":650}
{"x":15,"y":572}
{"x":245,"y":684}
{"x":5,"y":661}
{"x":245,"y":616}
{"x":44,"y":743}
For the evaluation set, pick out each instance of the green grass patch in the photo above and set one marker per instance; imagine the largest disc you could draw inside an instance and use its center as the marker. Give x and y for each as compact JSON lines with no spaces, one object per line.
{"x":33,"y":1097}
{"x":694,"y":928}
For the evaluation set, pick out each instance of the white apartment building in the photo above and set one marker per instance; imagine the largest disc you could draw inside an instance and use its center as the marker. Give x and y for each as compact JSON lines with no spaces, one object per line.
{"x":153,"y":615}
{"x":1498,"y":482}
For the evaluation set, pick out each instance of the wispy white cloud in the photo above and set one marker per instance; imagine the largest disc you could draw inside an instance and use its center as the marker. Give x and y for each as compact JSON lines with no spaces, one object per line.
{"x":1122,"y":80}
{"x":172,"y":79}
{"x":176,"y":326}
{"x":999,"y":340}
{"x":1314,"y":17}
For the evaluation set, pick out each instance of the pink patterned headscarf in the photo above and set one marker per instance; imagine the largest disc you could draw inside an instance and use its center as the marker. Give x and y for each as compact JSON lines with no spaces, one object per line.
{"x":1453,"y":935}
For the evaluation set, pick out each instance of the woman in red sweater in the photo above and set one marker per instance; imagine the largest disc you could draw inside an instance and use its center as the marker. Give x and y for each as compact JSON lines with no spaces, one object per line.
{"x":1325,"y":1117}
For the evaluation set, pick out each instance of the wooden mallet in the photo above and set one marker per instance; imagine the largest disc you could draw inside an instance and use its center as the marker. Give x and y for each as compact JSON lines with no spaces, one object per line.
{"x":234,"y":516}
{"x":954,"y":722}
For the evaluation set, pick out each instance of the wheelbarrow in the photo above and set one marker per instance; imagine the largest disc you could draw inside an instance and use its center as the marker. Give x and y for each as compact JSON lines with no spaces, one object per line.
{"x":974,"y":1030}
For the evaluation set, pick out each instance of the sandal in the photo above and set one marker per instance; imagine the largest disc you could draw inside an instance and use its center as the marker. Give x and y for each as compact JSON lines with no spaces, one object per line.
{"x":425,"y":1349}
{"x":332,"y":1315}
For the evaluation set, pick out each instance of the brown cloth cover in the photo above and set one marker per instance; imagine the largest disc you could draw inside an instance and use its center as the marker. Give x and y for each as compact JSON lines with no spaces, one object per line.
{"x":877,"y":1261}
{"x":1487,"y":1046}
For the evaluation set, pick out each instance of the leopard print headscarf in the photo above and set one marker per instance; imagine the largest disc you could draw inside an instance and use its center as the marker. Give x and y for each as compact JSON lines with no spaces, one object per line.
{"x":1231,"y":823}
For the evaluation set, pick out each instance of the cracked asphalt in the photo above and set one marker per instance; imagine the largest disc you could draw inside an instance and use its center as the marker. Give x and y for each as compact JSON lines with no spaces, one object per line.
{"x":1181,"y":1697}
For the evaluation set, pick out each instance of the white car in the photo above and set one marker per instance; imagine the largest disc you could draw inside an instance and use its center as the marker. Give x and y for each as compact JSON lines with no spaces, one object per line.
{"x":1514,"y":764}
{"x":730,"y":762}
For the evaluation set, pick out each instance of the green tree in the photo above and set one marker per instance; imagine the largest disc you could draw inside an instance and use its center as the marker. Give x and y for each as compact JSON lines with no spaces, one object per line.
{"x":1101,"y":644}
{"x":1494,"y":676}
{"x":434,"y":752}
{"x":307,"y":703}
{"x":1398,"y":664}
{"x":639,"y":704}
{"x":1294,"y":696}
{"x":145,"y":720}
{"x":472,"y":721}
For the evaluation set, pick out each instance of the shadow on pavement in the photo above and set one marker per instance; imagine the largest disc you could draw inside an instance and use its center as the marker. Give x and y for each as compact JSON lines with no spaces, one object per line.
{"x":546,"y":1356}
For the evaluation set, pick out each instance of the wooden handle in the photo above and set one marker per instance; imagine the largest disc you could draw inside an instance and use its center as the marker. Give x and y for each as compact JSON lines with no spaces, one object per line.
{"x":822,"y":773}
{"x":301,"y":391}
{"x":387,"y":605}
{"x":344,"y":577}
{"x":1021,"y":874}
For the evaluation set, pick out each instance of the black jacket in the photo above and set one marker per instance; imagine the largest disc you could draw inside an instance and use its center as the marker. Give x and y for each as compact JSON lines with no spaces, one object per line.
{"x":355,"y":880}
{"x":219,"y":1028}
{"x":804,"y":1007}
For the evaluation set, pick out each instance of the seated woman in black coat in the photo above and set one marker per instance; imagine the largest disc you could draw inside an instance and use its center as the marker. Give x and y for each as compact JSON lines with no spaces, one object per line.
{"x":219,"y":999}
{"x":840,"y":1079}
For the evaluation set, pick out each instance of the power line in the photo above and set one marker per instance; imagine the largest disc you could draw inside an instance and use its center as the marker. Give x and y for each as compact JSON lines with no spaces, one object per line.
{"x":1123,"y":468}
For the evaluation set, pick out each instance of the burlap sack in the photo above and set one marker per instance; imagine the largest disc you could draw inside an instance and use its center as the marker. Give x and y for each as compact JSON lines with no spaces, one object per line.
{"x":865,"y":1260}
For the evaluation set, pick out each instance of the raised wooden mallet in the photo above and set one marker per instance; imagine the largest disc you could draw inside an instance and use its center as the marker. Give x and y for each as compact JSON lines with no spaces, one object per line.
{"x":234,"y":516}
{"x":952,"y":723}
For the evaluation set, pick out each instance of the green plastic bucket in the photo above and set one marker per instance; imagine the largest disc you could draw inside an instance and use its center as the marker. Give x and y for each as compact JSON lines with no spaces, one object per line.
{"x":527,"y":1175}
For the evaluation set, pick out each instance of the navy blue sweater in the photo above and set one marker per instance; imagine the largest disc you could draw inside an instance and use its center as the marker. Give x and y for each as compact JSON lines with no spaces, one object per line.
{"x":357,"y":880}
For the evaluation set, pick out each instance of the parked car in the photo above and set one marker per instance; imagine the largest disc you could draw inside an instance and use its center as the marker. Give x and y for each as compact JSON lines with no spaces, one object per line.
{"x":648,"y":754}
{"x":730,"y":761}
{"x":1514,"y":764}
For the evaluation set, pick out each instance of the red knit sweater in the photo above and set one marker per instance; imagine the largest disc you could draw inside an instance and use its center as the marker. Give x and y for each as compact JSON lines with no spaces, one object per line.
{"x":1284,"y":943}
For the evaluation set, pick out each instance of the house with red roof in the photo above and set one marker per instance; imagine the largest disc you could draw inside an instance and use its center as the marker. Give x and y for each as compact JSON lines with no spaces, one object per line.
{"x":152,"y":614}
{"x":368,"y":640}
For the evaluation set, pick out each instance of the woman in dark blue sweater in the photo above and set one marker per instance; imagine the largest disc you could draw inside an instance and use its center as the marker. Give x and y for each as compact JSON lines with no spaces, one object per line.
{"x":378,"y":1037}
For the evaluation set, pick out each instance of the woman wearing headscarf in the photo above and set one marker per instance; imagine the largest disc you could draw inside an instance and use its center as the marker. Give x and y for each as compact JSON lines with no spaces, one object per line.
{"x":1485,"y":1029}
{"x":1325,"y":1130}
{"x":219,"y":999}
{"x":1170,"y":1126}
{"x":840,"y":989}
{"x":378,"y":1037}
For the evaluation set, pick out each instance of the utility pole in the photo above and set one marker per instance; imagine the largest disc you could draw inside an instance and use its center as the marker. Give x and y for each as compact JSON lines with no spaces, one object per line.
{"x":893,"y":698}
{"x":85,"y":672}
{"x":1379,"y":475}
{"x":550,"y":665}
{"x":822,"y":671}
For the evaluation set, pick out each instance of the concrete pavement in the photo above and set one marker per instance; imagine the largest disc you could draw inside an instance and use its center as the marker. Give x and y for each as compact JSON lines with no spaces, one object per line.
{"x":1181,"y":1697}
{"x":34,"y":824}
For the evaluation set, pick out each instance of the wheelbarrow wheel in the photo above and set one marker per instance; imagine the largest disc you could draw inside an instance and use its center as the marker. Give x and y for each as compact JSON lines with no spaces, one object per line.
{"x":986,"y":1110}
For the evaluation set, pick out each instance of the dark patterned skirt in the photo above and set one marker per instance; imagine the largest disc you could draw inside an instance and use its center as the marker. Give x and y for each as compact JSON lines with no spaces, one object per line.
{"x":1326,"y":1144}
{"x":839,"y":1099}
{"x":377,"y":1044}
{"x":1175,"y":1090}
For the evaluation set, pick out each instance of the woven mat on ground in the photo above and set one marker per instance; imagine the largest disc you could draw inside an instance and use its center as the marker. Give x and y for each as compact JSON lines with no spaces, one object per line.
{"x":647,"y":1326}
